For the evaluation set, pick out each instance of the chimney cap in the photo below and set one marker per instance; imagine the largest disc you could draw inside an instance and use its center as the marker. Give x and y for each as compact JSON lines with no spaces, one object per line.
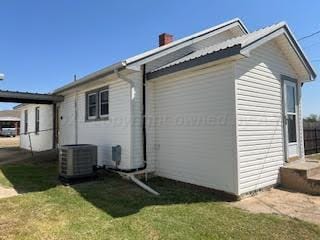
{"x":165,"y":38}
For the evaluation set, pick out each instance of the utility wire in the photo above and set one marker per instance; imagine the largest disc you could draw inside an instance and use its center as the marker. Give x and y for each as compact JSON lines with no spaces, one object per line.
{"x":308,"y":36}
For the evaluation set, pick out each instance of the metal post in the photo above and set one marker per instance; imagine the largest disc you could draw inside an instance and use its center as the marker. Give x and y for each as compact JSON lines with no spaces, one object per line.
{"x":316,"y":140}
{"x":30,"y":144}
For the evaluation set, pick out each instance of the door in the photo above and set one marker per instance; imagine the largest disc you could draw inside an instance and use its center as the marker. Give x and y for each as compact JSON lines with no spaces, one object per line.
{"x":291,"y":118}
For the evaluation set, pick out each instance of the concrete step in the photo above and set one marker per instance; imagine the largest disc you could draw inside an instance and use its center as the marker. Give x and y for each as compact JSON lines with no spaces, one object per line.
{"x":301,"y":176}
{"x":315,"y":178}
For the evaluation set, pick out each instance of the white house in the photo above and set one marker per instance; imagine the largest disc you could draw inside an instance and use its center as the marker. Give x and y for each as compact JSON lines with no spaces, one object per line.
{"x":222,"y":108}
{"x":36,"y":135}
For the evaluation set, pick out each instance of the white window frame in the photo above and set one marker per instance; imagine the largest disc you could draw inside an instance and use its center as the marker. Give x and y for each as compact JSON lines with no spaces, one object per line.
{"x":88,"y":106}
{"x":100,"y":103}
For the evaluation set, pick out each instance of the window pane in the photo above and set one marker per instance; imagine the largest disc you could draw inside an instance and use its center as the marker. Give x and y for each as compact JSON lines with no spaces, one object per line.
{"x":25,"y":121}
{"x":104,"y":103}
{"x":92,"y":111}
{"x":92,"y":99}
{"x":292,"y":131}
{"x":291,"y":99}
{"x":104,"y":96}
{"x":92,"y":105}
{"x":104,"y":109}
{"x":37,"y":119}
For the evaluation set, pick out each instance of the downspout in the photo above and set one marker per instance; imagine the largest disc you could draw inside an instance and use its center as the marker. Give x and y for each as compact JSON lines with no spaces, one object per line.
{"x":144,"y":186}
{"x":54,"y":143}
{"x":76,"y":114}
{"x":130,"y":172}
{"x":143,"y":117}
{"x":144,"y":132}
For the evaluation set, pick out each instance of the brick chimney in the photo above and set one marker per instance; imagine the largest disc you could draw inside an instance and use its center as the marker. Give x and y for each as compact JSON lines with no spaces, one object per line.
{"x":165,"y":39}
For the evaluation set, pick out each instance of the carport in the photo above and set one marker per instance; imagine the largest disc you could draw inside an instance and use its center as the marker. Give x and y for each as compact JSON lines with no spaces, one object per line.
{"x":34,"y":98}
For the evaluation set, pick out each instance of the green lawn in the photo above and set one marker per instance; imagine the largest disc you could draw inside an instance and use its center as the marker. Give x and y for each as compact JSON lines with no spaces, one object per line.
{"x":112,"y":208}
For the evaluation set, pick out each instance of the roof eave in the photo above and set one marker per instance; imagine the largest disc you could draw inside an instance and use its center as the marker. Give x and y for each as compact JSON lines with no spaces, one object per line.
{"x":98,"y":74}
{"x":311,"y":69}
{"x":140,"y":57}
{"x":212,"y":57}
{"x":292,"y":41}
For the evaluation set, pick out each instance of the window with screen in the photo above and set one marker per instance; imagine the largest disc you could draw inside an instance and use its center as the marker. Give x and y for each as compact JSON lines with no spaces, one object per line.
{"x":26,"y":121}
{"x":104,"y":103}
{"x":97,"y":104}
{"x":92,"y":106}
{"x":291,"y":113}
{"x":37,"y":120}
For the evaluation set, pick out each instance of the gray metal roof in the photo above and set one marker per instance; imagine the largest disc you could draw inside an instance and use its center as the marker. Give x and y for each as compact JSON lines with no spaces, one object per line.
{"x":163,"y":54}
{"x":243,"y":42}
{"x":193,"y":47}
{"x":9,"y":119}
{"x":188,"y":38}
{"x":9,"y":115}
{"x":27,"y":97}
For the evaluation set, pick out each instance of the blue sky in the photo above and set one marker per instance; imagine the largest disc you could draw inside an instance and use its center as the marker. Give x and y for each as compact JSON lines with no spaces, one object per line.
{"x":44,"y":43}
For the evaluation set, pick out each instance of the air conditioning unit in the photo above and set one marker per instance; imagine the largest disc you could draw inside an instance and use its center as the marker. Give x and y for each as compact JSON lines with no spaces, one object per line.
{"x":77,"y":161}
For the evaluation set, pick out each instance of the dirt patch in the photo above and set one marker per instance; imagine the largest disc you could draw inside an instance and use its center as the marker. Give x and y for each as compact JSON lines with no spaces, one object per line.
{"x":7,"y":192}
{"x":13,"y":154}
{"x":292,"y":204}
{"x":9,"y":142}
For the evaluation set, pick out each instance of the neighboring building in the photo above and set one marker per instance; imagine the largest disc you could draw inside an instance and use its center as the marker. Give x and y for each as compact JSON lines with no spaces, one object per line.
{"x":9,"y":123}
{"x":222,"y":108}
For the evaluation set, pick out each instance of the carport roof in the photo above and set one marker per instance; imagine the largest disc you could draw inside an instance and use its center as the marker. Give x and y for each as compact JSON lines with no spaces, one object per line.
{"x":27,"y":97}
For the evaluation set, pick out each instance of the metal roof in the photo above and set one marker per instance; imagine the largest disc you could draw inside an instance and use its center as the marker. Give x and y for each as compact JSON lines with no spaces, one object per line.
{"x":242,"y":41}
{"x":9,"y":119}
{"x":165,"y":50}
{"x":9,"y":115}
{"x":186,"y":39}
{"x":186,"y":49}
{"x":27,"y":97}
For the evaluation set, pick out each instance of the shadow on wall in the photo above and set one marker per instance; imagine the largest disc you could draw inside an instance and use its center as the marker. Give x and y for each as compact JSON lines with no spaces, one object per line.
{"x":110,"y":193}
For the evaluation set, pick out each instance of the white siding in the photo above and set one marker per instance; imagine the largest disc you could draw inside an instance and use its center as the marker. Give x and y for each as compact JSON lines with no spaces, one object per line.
{"x":137,"y":121}
{"x":103,"y":133}
{"x":44,"y":139}
{"x":192,"y":135}
{"x":259,"y":115}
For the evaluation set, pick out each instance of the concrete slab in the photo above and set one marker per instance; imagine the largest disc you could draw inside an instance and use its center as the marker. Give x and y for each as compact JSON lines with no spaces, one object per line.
{"x":7,"y":192}
{"x":277,"y":201}
{"x":303,"y":164}
{"x":9,"y":142}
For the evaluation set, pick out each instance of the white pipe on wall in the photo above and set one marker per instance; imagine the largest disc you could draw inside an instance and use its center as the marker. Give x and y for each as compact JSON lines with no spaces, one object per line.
{"x":144,"y":186}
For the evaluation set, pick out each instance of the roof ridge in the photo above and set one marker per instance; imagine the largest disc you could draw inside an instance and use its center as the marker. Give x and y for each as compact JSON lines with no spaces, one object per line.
{"x":231,"y":42}
{"x":189,"y":37}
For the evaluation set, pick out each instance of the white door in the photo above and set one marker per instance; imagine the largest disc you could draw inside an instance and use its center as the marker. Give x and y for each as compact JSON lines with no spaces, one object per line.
{"x":291,"y":118}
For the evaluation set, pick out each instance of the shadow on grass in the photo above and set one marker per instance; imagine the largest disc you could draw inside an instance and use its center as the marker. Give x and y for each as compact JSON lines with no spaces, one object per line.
{"x":29,"y":173}
{"x":119,"y":197}
{"x":110,"y":193}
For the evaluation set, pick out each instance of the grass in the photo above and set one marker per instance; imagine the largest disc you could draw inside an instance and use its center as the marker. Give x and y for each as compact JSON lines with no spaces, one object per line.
{"x":112,"y":208}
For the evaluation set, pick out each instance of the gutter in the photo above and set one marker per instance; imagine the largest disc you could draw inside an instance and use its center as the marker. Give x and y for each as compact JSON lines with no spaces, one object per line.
{"x":96,"y":75}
